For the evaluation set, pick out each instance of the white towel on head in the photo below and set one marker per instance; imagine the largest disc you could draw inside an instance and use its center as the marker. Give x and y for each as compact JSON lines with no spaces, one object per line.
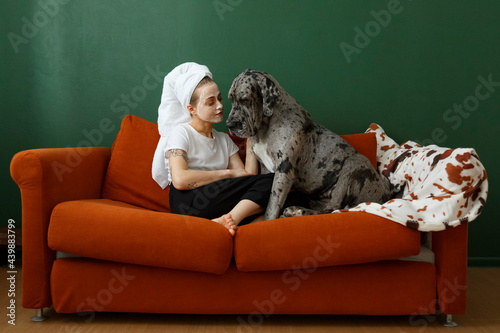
{"x":178,"y":87}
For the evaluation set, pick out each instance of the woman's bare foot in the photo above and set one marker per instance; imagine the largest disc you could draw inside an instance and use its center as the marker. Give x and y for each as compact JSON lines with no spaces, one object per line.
{"x":227,"y":222}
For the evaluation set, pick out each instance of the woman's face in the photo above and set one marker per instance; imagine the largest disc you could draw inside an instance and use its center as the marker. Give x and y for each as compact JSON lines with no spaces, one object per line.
{"x":209,"y":107}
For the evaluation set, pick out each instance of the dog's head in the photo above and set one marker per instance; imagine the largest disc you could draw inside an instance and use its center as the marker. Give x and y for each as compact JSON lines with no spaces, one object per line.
{"x":254,"y":96}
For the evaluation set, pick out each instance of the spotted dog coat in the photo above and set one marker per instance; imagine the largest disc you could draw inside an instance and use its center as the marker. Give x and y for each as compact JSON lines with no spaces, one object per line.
{"x":300,"y":152}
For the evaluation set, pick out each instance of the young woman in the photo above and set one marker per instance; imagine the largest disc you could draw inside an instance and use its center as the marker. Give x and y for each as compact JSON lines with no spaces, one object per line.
{"x":208,"y":177}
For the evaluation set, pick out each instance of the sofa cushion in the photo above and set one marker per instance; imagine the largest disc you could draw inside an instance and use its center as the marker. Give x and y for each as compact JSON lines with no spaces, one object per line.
{"x":322,"y":240}
{"x":116,"y":231}
{"x":128,"y":178}
{"x":364,"y":143}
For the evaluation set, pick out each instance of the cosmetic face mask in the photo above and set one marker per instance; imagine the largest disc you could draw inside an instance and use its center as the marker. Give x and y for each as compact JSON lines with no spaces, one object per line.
{"x":210,"y":113}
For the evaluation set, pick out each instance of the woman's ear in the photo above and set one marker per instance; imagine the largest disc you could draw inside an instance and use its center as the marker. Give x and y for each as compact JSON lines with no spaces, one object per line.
{"x":191,"y":109}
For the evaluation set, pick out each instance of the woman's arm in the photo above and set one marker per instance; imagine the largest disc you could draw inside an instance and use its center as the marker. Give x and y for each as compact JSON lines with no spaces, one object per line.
{"x":251,"y":162}
{"x":185,"y":179}
{"x":251,"y":165}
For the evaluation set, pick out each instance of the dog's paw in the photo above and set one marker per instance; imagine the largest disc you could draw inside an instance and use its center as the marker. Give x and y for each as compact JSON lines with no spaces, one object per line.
{"x":295,"y":211}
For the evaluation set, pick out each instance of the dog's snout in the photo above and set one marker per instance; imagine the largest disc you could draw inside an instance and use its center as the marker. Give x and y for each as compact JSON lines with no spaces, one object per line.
{"x":233,"y":124}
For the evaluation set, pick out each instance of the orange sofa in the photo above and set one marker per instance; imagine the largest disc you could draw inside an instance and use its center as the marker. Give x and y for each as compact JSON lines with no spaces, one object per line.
{"x":98,"y":236}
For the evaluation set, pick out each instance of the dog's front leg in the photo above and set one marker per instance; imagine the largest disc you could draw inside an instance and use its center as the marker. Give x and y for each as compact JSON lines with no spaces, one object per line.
{"x":282,"y":184}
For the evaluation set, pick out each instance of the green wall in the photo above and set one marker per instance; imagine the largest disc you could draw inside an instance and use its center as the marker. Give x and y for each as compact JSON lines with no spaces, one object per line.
{"x":68,"y":65}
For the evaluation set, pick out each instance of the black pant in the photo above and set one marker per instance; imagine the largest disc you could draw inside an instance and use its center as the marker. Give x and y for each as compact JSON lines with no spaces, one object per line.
{"x":216,"y":199}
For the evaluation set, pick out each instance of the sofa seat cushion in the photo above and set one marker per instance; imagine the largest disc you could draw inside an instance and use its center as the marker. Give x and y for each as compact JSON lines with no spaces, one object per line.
{"x":116,"y":231}
{"x":322,"y":240}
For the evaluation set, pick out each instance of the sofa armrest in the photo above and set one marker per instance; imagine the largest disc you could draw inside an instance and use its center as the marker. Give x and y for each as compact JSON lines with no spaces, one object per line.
{"x":47,"y":177}
{"x":450,"y":250}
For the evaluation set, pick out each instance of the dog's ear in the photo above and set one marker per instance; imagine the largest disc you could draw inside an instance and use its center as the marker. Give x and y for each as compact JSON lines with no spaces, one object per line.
{"x":269,"y":91}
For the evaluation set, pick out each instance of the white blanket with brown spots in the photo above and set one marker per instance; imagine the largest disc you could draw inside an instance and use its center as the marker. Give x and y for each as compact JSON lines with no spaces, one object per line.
{"x":442,"y":187}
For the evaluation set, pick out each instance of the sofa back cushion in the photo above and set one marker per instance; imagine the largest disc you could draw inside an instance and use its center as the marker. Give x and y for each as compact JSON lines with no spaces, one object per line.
{"x":365,"y":144}
{"x":128,"y":178}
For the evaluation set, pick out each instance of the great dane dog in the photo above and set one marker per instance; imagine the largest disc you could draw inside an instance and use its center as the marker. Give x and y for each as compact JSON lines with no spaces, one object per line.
{"x":300,"y":152}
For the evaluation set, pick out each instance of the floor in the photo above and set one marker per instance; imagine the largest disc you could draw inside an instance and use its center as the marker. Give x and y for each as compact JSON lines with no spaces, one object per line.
{"x":483,"y":315}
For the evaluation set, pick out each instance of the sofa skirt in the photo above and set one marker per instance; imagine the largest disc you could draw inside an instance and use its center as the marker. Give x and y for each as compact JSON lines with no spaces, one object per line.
{"x":382,"y":288}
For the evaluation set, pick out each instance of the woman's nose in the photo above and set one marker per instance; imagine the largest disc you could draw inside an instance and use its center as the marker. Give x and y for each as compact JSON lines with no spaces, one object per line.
{"x":220,"y":105}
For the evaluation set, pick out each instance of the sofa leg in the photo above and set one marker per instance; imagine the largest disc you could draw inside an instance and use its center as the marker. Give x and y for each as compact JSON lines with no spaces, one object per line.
{"x":449,"y":321}
{"x":39,"y":316}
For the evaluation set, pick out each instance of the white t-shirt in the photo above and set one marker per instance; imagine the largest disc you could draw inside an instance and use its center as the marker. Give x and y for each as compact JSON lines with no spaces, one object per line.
{"x":203,"y":153}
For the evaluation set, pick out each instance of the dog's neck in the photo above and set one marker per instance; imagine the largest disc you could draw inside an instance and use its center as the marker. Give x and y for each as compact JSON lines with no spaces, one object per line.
{"x":262,"y":131}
